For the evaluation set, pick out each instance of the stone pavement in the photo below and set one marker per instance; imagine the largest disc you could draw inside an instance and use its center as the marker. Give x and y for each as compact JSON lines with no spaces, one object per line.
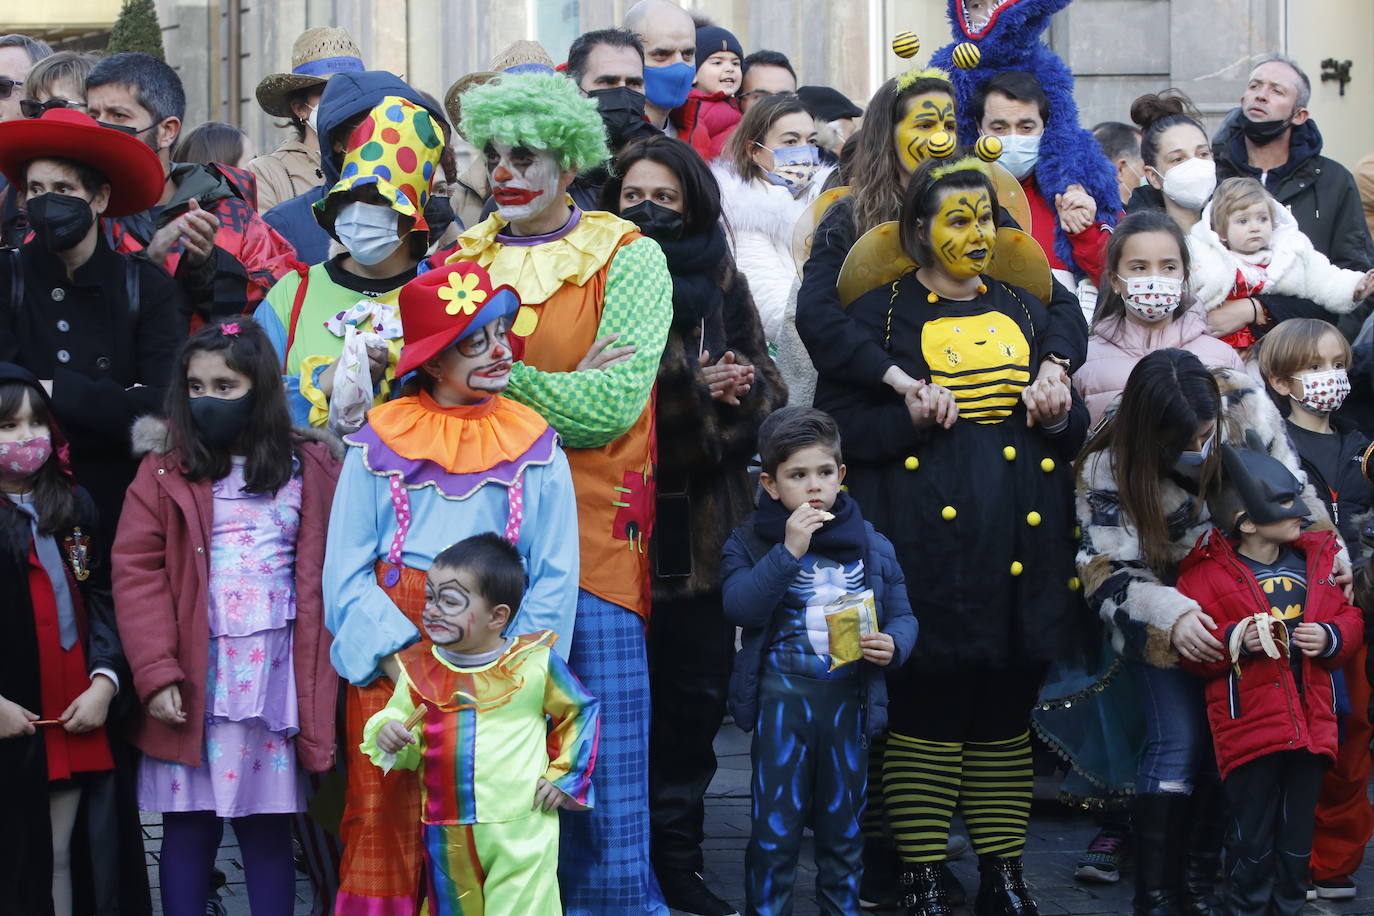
{"x":1056,"y":839}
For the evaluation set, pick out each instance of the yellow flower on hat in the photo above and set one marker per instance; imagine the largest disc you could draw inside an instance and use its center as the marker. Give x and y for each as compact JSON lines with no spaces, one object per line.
{"x":462,"y":294}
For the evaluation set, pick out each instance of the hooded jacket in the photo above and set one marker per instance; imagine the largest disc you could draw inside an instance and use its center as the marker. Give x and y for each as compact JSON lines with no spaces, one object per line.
{"x":1320,"y":192}
{"x":1296,"y":267}
{"x":347,"y":95}
{"x":1253,"y":705}
{"x":162,"y":594}
{"x":706,"y":121}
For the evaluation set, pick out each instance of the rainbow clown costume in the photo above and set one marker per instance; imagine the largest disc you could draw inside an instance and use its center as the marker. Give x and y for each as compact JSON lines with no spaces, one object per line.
{"x":422,"y":475}
{"x":585,"y":276}
{"x":482,"y":745}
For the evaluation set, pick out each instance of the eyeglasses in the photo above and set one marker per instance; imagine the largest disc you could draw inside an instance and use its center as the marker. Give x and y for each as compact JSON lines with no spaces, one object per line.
{"x":7,"y":86}
{"x":32,"y":108}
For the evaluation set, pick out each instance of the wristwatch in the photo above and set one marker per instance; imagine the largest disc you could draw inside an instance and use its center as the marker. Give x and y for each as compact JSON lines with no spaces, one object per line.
{"x":1060,"y":361}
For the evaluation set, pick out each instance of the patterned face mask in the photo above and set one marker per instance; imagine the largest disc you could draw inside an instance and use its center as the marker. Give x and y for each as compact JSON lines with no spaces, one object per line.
{"x":22,"y":458}
{"x":1323,"y":392}
{"x":1152,"y":299}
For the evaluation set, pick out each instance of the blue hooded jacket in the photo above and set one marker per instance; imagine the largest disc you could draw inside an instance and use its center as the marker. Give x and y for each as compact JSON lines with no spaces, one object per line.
{"x":345,"y":96}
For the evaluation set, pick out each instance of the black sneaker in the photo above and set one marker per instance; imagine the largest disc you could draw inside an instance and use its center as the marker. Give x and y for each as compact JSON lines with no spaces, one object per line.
{"x":686,"y":892}
{"x":1334,"y":889}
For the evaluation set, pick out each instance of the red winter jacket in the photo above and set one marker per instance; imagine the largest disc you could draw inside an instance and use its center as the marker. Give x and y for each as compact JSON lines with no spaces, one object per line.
{"x":1254,"y":707}
{"x":161,"y":565}
{"x":706,"y":121}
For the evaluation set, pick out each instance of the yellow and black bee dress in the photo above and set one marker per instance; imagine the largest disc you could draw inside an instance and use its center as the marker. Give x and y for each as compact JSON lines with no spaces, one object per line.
{"x":981,"y":516}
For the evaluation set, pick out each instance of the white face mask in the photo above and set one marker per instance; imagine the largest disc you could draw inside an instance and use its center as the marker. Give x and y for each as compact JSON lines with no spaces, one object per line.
{"x":528,"y":185}
{"x":1020,"y":152}
{"x":313,"y":117}
{"x":368,"y":231}
{"x":1189,"y":184}
{"x":1152,"y":299}
{"x":1323,"y":392}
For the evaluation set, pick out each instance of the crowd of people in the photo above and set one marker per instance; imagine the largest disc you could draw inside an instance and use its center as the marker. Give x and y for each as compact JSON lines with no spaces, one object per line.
{"x":426,"y":522}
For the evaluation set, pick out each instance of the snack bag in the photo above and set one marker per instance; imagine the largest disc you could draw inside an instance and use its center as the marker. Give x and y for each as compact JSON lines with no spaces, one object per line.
{"x":847,"y":618}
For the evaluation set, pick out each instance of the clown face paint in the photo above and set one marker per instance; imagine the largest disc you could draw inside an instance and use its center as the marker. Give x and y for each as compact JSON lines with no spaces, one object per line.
{"x":476,"y":367}
{"x":925,"y":115}
{"x":962,"y":234}
{"x":524,"y":181}
{"x":456,"y":616}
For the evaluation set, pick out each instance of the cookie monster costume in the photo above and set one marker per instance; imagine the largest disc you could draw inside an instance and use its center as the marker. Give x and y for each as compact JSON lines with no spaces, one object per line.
{"x":1010,"y":40}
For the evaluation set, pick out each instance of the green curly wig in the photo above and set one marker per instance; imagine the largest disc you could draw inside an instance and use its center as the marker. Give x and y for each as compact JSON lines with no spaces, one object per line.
{"x":538,"y":110}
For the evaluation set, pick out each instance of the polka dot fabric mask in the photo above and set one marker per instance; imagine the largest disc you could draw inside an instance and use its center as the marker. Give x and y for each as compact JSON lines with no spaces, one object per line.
{"x":1323,"y":392}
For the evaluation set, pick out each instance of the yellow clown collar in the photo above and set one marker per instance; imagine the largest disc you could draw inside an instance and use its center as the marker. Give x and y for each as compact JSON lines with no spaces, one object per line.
{"x":395,"y":150}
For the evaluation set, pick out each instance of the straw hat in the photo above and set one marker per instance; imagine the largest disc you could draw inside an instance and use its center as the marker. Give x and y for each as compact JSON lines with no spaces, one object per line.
{"x":316,"y":55}
{"x":520,"y":57}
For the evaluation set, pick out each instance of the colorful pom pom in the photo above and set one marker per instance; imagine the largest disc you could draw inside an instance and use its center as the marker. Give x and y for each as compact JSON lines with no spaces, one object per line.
{"x":905,"y":44}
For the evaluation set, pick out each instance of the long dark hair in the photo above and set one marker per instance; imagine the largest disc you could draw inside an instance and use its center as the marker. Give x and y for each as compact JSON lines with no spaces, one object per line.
{"x":1110,"y":305}
{"x":53,"y":493}
{"x":266,"y":442}
{"x":877,"y":169}
{"x":922,"y":201}
{"x":1168,"y":395}
{"x":700,"y":193}
{"x":213,"y":141}
{"x":752,"y":128}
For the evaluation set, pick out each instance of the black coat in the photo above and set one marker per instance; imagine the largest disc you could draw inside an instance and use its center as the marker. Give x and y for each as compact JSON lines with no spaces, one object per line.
{"x":107,"y":845}
{"x":972,"y":608}
{"x":109,"y":362}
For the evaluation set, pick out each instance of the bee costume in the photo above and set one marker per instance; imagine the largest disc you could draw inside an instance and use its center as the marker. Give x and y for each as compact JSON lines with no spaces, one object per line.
{"x":981,"y":516}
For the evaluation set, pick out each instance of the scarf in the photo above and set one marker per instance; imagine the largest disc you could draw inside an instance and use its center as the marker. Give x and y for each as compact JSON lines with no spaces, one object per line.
{"x":694,"y":262}
{"x":841,"y":539}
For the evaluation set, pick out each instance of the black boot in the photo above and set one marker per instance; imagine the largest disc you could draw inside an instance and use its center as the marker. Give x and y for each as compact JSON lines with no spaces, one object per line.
{"x":1002,"y":889}
{"x":1159,"y":823}
{"x":1202,"y":851}
{"x":880,"y":885}
{"x":923,"y":891}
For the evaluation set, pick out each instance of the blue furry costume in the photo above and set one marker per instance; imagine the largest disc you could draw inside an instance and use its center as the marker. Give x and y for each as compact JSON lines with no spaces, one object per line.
{"x":1068,"y":153}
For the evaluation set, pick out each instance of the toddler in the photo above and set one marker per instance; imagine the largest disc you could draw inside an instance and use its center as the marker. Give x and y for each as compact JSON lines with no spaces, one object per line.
{"x":502,"y":732}
{"x":1247,"y":243}
{"x":712,"y":110}
{"x":806,"y":546}
{"x":1268,"y":594}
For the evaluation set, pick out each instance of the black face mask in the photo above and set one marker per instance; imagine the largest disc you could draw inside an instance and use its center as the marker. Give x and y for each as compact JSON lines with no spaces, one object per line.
{"x":221,"y":420}
{"x":1262,"y":133}
{"x":439,"y":215}
{"x":655,"y":220}
{"x":622,"y":111}
{"x":61,"y":221}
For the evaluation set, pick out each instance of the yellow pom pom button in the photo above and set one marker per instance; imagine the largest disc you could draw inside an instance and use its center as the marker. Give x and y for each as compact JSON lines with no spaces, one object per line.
{"x":1033,"y":519}
{"x":1009,"y":453}
{"x":988,"y":148}
{"x":940,"y":145}
{"x":966,"y":55}
{"x":844,"y":487}
{"x":1017,"y":568}
{"x":905,"y":44}
{"x":1075,"y":584}
{"x":1047,"y":465}
{"x":911,"y":463}
{"x":948,"y":513}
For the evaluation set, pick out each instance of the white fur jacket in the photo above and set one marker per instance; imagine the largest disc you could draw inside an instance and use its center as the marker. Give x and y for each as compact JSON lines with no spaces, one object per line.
{"x":1138,"y":606}
{"x":1295,"y":268}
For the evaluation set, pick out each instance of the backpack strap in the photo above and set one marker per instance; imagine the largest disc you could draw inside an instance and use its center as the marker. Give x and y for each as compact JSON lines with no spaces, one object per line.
{"x":299,"y":303}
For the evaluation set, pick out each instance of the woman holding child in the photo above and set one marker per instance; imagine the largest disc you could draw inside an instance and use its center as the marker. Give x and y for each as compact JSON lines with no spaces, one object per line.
{"x":969,"y":474}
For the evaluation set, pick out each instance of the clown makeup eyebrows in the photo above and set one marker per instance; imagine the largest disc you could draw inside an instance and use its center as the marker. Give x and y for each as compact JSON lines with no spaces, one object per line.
{"x":451,"y":591}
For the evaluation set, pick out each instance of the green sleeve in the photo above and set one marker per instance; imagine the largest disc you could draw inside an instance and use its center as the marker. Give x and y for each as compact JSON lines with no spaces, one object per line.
{"x":397,"y":709}
{"x":590,"y":409}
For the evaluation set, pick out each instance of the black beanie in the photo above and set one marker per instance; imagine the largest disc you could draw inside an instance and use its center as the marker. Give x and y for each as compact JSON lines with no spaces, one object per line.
{"x":826,"y":104}
{"x":712,"y":38}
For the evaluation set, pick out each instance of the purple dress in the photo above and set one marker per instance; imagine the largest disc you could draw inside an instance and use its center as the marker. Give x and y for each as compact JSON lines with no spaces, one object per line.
{"x":248,"y":765}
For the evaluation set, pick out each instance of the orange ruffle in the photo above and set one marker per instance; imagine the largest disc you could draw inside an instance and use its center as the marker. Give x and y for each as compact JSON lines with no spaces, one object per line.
{"x":461,"y":440}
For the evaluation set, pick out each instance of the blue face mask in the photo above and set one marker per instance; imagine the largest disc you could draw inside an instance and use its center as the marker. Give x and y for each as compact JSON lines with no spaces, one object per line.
{"x":667,"y":87}
{"x":1193,"y":460}
{"x":1019,"y":154}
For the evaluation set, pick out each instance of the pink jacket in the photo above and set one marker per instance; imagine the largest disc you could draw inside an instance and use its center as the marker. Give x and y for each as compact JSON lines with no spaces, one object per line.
{"x":1116,"y":346}
{"x":161,"y":589}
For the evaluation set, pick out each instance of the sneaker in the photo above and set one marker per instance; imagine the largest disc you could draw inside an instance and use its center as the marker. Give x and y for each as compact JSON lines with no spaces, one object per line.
{"x":1101,"y":864}
{"x":1311,"y":892}
{"x":686,"y":892}
{"x":1333,"y":889}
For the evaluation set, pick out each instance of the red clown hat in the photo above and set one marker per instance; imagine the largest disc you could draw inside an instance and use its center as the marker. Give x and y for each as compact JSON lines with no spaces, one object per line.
{"x":132,"y":169}
{"x":445,"y":305}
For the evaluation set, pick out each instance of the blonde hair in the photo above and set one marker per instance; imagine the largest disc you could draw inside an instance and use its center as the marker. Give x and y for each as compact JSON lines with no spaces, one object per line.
{"x":1235,"y":194}
{"x":64,"y":66}
{"x":1290,"y":345}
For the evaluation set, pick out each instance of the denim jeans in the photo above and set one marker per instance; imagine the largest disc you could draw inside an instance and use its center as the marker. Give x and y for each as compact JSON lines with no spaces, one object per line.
{"x":1178,"y":743}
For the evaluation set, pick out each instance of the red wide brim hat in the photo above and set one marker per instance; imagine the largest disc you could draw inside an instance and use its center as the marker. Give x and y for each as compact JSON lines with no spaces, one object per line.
{"x":442,"y":306}
{"x":132,"y":169}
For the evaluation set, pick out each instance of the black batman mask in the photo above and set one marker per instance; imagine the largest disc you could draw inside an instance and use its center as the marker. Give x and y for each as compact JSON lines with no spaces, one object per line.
{"x":1267,"y":490}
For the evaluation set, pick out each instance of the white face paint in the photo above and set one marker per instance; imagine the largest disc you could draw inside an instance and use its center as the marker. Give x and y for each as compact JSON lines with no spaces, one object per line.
{"x":524,"y":182}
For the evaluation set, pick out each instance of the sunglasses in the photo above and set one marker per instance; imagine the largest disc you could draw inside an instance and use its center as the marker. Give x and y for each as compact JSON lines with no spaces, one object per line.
{"x":7,"y":86}
{"x":32,"y":108}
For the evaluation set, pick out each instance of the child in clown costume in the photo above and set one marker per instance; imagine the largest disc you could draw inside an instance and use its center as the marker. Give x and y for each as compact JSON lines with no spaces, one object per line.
{"x":584,"y":278}
{"x":338,"y":319}
{"x":450,"y":459}
{"x":503,"y":735}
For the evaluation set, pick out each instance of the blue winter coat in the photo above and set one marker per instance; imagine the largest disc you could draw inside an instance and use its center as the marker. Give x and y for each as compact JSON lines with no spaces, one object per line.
{"x":755,"y":576}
